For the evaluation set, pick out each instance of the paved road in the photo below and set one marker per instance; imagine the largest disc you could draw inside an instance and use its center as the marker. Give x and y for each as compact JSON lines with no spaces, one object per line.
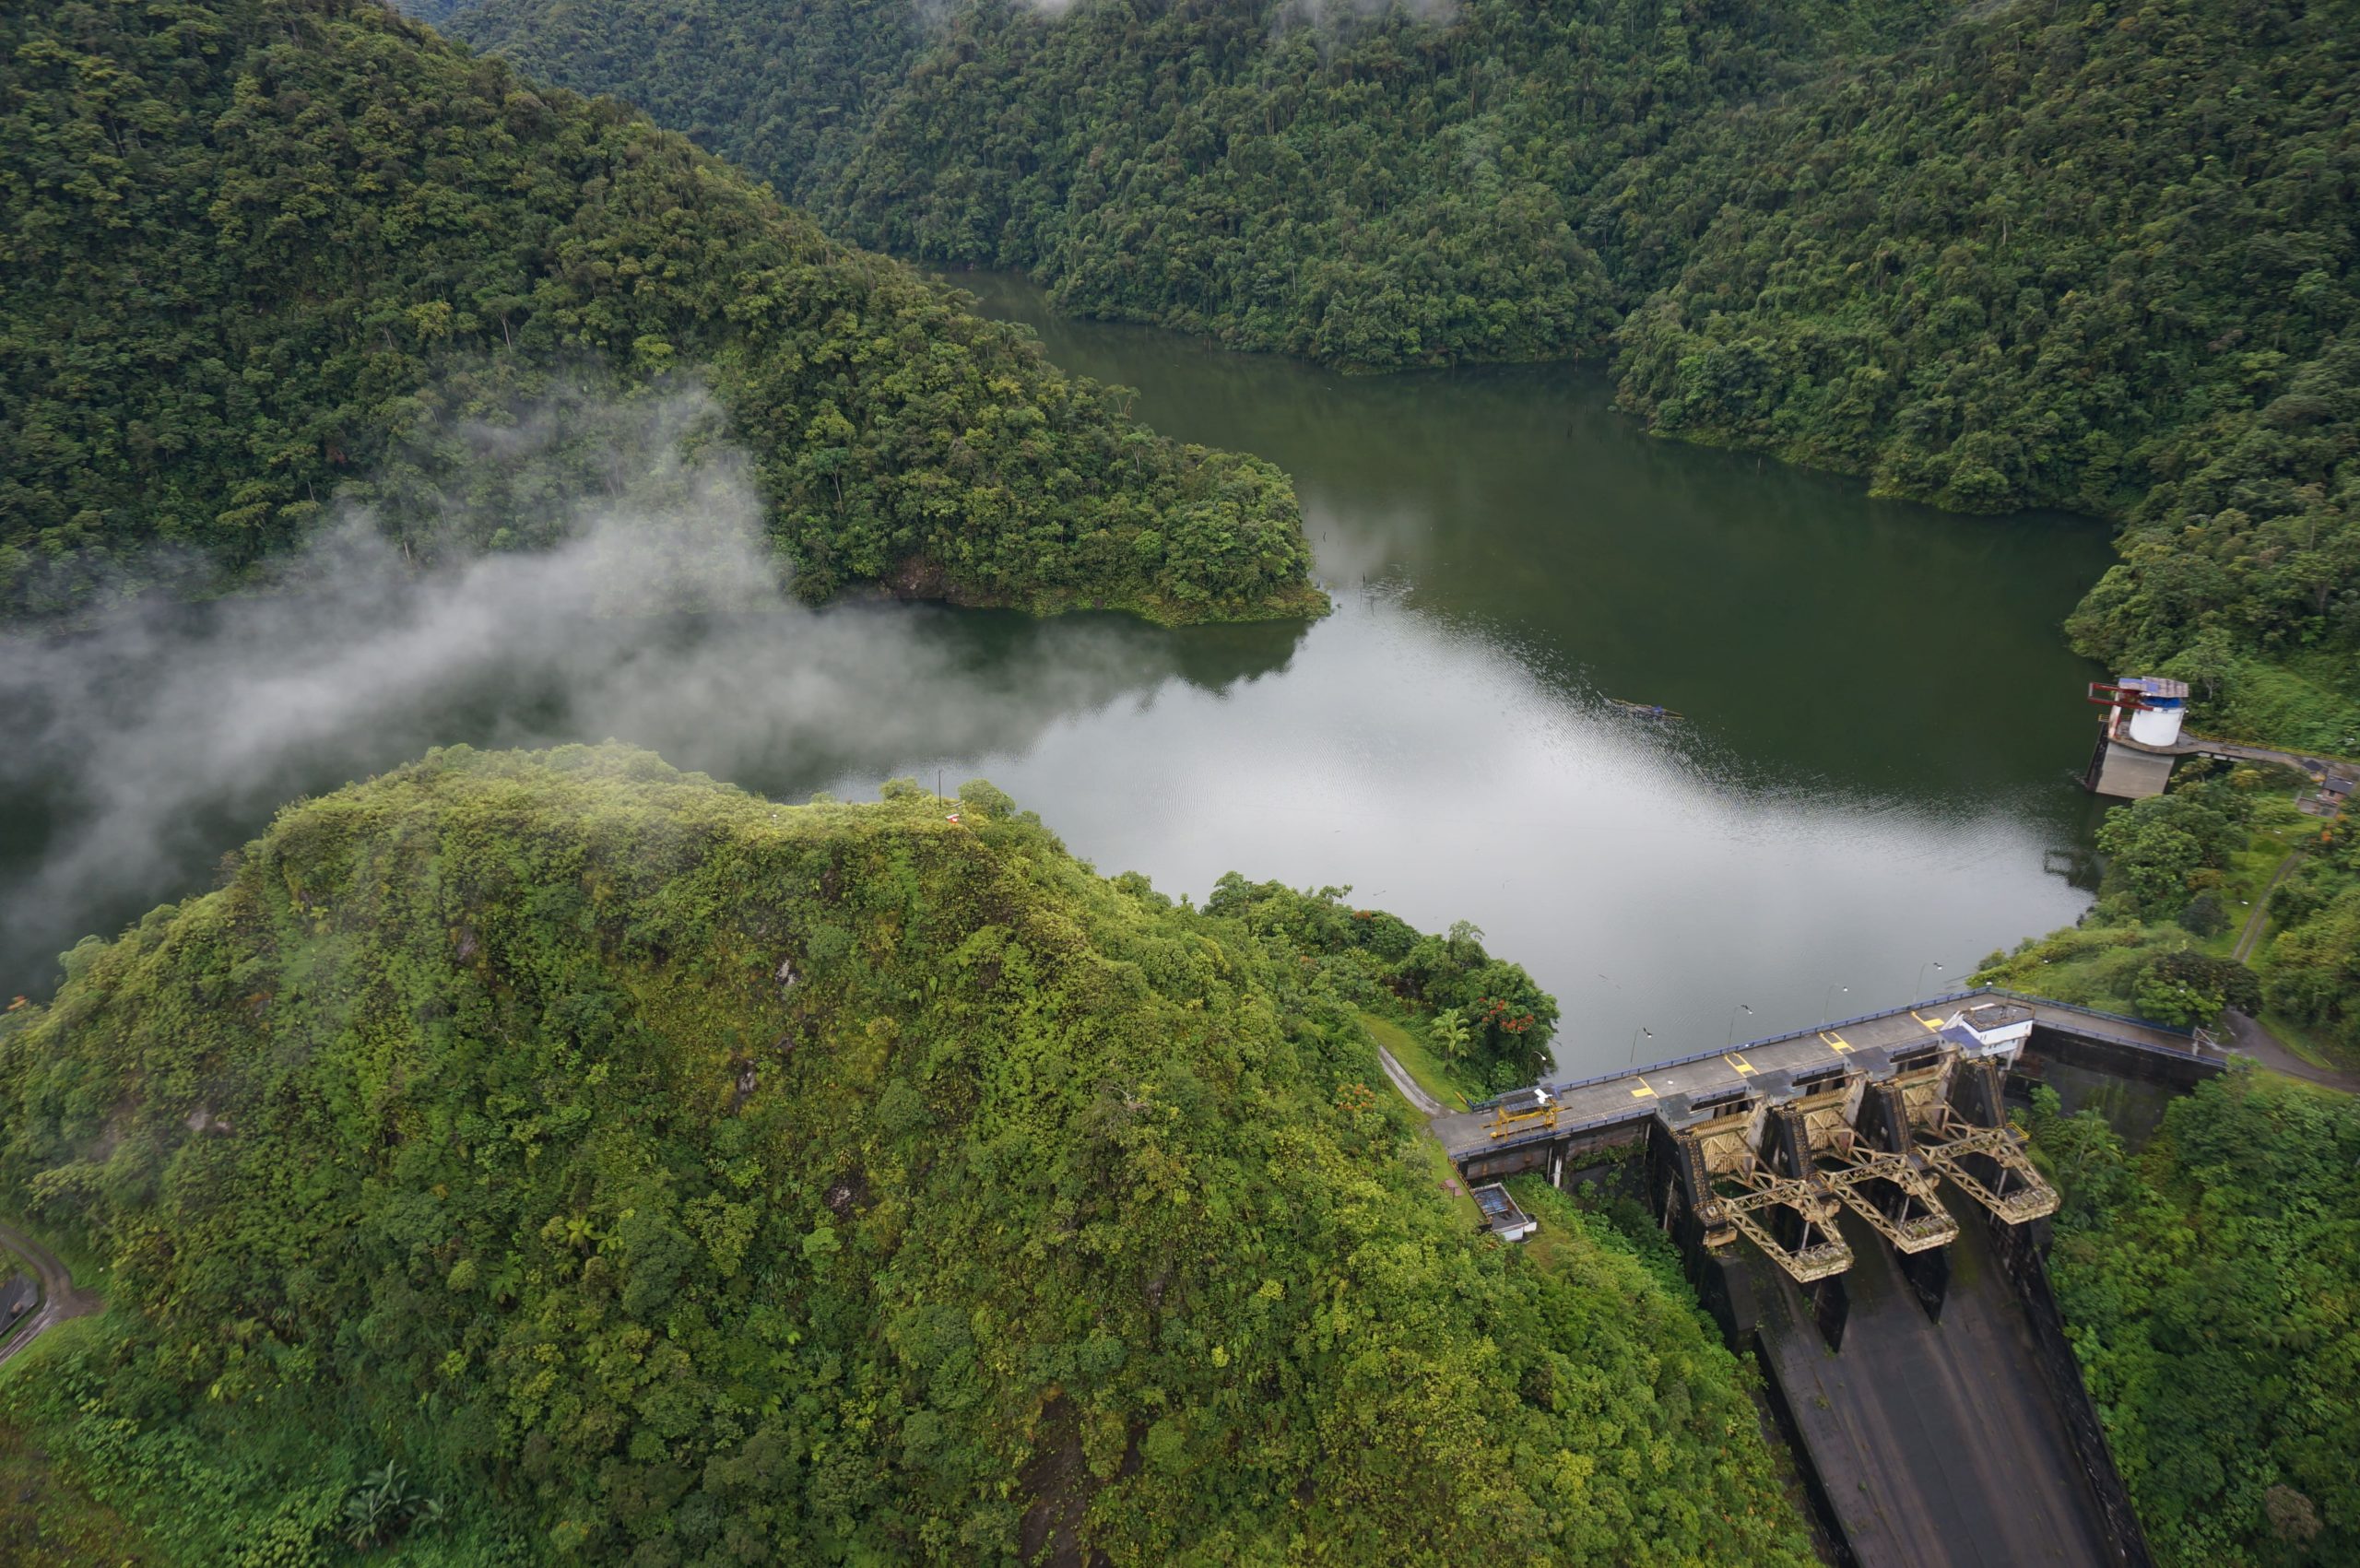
{"x":59,"y":1299}
{"x":1426,"y":1103}
{"x":2197,"y":746}
{"x":2255,"y":1041}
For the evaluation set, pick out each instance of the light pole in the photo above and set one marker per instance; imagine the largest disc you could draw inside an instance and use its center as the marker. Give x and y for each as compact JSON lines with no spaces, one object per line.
{"x":1828,"y":997}
{"x":1917,"y":986}
{"x":1742,"y":1008}
{"x":1643,"y":1028}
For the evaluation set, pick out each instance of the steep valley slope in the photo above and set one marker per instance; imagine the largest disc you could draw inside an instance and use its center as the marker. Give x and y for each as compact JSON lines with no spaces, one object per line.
{"x":652,"y":1174}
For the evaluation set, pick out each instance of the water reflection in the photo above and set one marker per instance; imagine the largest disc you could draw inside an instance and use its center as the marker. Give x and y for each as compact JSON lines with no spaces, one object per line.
{"x":143,"y":751}
{"x":1872,"y":772}
{"x":1651,"y":876}
{"x":1881,"y":719}
{"x":1812,"y":631}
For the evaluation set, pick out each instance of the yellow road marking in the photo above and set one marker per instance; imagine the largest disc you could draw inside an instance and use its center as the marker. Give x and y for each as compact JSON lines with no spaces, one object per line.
{"x":1737,"y":1059}
{"x":1931,"y":1028}
{"x":1643,"y":1090}
{"x":1835,"y":1041}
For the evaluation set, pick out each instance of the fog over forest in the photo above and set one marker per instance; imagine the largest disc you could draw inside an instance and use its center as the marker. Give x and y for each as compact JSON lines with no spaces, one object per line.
{"x":151,"y":742}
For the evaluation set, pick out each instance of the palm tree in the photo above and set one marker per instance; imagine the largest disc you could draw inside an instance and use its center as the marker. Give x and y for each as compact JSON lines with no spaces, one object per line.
{"x":1451,"y":1036}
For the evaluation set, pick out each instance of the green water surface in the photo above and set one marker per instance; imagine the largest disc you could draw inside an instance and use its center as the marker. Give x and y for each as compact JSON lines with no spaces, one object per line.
{"x":1872,"y":775}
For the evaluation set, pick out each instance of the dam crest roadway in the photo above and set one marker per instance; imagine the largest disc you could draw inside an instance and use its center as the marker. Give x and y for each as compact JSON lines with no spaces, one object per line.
{"x":1770,"y":1067}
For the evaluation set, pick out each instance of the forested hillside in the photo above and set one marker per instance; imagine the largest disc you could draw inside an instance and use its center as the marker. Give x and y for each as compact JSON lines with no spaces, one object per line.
{"x":786,"y":91}
{"x":1371,"y":188}
{"x":2207,"y":1284}
{"x":2097,"y":258}
{"x":1990,"y":256}
{"x":2207,"y":1281}
{"x":260,"y":253}
{"x":649,"y":1173}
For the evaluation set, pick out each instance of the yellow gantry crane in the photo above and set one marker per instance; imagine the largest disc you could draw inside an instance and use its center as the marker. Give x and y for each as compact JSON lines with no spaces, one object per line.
{"x":2016,"y":1193}
{"x":1524,"y":1111}
{"x":1745,"y":1191}
{"x":1779,"y":1171}
{"x":1915,"y":1220}
{"x":1822,"y":1250}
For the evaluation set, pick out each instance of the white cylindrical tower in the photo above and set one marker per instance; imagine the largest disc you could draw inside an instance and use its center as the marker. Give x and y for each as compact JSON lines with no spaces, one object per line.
{"x":2157,"y":721}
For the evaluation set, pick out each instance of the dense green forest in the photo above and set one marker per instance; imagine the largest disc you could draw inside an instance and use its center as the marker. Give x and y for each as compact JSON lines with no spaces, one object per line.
{"x":557,"y":1158}
{"x":1490,"y":1021}
{"x":786,"y":90}
{"x":1370,"y":189}
{"x":2314,"y":967}
{"x":1990,"y":256}
{"x":2208,"y":1286}
{"x":2097,"y":258}
{"x":2207,"y":1279}
{"x":263,"y":254}
{"x":2218,"y":895}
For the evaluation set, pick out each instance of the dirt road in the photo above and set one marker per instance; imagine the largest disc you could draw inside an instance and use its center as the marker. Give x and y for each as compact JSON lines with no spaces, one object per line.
{"x":2260,"y":919}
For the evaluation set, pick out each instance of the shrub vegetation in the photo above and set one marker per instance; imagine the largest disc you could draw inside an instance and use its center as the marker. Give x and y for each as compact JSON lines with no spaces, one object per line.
{"x":557,"y":1158}
{"x":2207,"y":1285}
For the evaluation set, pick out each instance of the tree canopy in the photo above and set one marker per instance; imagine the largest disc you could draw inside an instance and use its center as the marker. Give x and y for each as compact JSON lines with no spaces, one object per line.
{"x":1501,"y":1022}
{"x":2207,"y":1285}
{"x":261,"y":251}
{"x":651,"y":1174}
{"x":1991,"y":256}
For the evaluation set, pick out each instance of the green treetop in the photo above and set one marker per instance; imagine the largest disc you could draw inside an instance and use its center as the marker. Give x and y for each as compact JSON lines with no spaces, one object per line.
{"x":262,"y":253}
{"x":654,"y":1174}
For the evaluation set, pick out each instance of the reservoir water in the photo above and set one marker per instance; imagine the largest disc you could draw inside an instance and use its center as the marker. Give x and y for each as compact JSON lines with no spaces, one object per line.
{"x":1871,"y":774}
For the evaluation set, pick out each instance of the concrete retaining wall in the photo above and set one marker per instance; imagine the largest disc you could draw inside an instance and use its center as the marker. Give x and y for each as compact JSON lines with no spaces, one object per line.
{"x":2021,"y":1252}
{"x":2048,"y":1043}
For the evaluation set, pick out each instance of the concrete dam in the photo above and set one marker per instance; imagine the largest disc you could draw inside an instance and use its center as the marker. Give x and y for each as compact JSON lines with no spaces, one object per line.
{"x":1852,"y":1206}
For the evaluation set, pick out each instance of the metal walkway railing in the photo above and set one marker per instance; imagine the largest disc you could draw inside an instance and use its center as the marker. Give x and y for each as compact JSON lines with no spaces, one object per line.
{"x":2199,"y":1042}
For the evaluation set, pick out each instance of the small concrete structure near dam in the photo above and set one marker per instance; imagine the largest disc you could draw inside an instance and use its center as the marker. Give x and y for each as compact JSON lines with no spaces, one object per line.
{"x":1853,"y":1207}
{"x":2141,"y":741}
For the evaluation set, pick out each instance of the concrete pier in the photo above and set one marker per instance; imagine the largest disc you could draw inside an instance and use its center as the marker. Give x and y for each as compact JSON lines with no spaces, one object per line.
{"x":2126,"y":772}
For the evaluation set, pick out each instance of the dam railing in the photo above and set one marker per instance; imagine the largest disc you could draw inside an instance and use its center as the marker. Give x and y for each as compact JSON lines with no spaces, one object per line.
{"x":1981,"y":993}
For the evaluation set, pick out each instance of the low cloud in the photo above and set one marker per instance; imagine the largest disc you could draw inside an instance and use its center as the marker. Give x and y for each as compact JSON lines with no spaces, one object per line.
{"x":656,"y":612}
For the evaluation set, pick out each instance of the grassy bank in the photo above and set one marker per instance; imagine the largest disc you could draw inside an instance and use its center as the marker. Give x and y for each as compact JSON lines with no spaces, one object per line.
{"x":2220,"y":894}
{"x":47,"y":1520}
{"x":1419,"y":1059}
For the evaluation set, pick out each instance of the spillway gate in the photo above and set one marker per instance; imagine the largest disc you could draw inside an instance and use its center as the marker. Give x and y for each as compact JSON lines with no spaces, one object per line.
{"x":1856,"y":1211}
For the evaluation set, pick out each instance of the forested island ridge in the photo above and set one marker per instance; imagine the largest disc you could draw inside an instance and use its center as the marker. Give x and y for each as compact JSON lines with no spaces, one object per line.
{"x":1991,"y":256}
{"x":268,"y":257}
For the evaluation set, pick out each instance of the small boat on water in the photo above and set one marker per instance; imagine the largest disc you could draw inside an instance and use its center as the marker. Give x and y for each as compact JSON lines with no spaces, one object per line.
{"x":1643,"y":709}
